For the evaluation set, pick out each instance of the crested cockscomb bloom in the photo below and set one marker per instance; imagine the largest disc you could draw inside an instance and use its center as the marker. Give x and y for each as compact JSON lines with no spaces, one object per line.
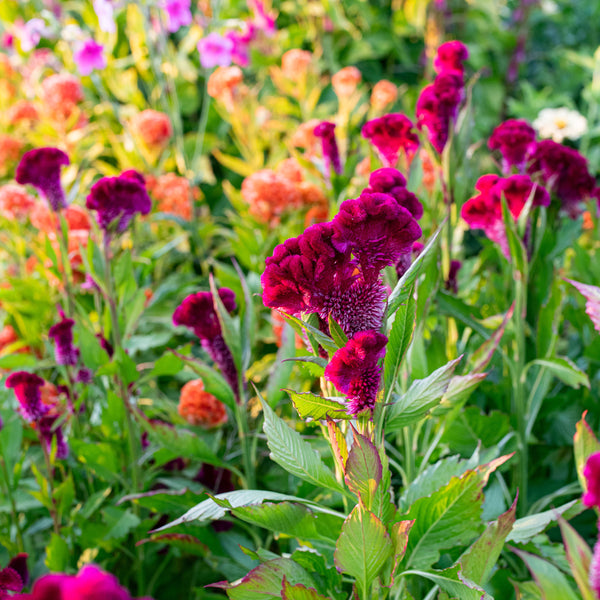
{"x":198,"y":313}
{"x":173,"y":194}
{"x":117,"y":199}
{"x":198,"y":407}
{"x":15,"y":202}
{"x":592,"y":305}
{"x":215,"y":51}
{"x":152,"y":127}
{"x":345,"y":82}
{"x":27,"y":388}
{"x":11,"y":580}
{"x":515,"y":139}
{"x":565,"y":172}
{"x":331,"y":154}
{"x":451,"y":283}
{"x":179,"y":14}
{"x":450,"y":57}
{"x":49,"y":429}
{"x":295,"y":63}
{"x":223,"y":85}
{"x":384,"y":93}
{"x":40,"y":167}
{"x":591,"y":472}
{"x":89,"y":56}
{"x":354,"y":371}
{"x":65,"y":352}
{"x":484,"y":211}
{"x":392,"y":182}
{"x":390,"y":134}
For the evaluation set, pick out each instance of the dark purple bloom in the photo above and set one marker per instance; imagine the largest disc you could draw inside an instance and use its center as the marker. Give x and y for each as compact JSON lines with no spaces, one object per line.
{"x":376,"y":229}
{"x":10,"y":580}
{"x":331,"y":155}
{"x":451,"y":283}
{"x":48,"y":429}
{"x":392,"y":182}
{"x":40,"y":167}
{"x":218,"y":481}
{"x":354,"y":371}
{"x":564,"y":171}
{"x":89,"y":56}
{"x":19,"y":564}
{"x":450,"y":57}
{"x":84,"y":376}
{"x":390,"y":134}
{"x":105,"y":344}
{"x":515,"y":139}
{"x":179,"y":14}
{"x":65,"y":352}
{"x":117,"y":199}
{"x":27,"y":390}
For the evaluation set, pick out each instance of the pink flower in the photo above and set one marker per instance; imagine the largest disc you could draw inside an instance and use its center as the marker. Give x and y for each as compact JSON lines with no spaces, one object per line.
{"x":31,"y":34}
{"x":331,"y":155}
{"x":592,"y":305}
{"x":450,"y":57}
{"x":591,"y":472}
{"x":392,"y":182}
{"x":64,"y":351}
{"x":515,"y":139}
{"x":263,"y":21}
{"x":105,"y":12}
{"x":390,"y":134}
{"x":240,"y":54}
{"x":178,"y":12}
{"x":215,"y":51}
{"x":89,"y":56}
{"x":27,"y":387}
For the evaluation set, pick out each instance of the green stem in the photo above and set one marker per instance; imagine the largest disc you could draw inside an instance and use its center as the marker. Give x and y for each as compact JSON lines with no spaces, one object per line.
{"x":409,"y":459}
{"x":63,"y":242}
{"x":13,"y":505}
{"x":50,"y":470}
{"x":241,"y":417}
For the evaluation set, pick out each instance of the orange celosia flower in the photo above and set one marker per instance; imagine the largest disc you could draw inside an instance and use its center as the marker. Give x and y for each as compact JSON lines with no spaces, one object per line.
{"x":345,"y":81}
{"x":44,"y":219}
{"x":290,"y":169}
{"x":173,"y":195}
{"x":222,"y":85}
{"x":304,"y":137}
{"x":77,"y":218}
{"x":384,"y":93}
{"x":10,"y":151}
{"x":588,"y":222}
{"x":295,"y":63}
{"x":8,"y":336}
{"x":429,"y":172}
{"x":23,"y":110}
{"x":198,"y":407}
{"x":61,"y":93}
{"x":363,"y":168}
{"x":15,"y":202}
{"x":311,"y":194}
{"x":153,"y":127}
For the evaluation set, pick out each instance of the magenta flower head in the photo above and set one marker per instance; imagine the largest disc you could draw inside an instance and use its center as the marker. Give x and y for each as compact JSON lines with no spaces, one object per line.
{"x":10,"y":580}
{"x":565,"y":172}
{"x":450,"y":57}
{"x":240,"y":54}
{"x":64,"y":351}
{"x":89,"y":56}
{"x":263,"y":21}
{"x":215,"y":51}
{"x":515,"y":139}
{"x":27,"y":388}
{"x":331,"y":155}
{"x":49,"y":429}
{"x":390,"y":134}
{"x":117,"y":199}
{"x":354,"y":371}
{"x":40,"y":167}
{"x":179,"y":14}
{"x":591,"y":472}
{"x":392,"y":182}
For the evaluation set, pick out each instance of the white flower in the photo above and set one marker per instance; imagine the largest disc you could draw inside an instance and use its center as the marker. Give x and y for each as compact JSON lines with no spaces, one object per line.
{"x":560,"y":123}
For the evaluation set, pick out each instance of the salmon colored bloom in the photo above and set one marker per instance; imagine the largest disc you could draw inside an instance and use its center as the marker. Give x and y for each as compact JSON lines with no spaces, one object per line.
{"x":304,"y":137}
{"x":295,"y":63}
{"x":22,"y":110}
{"x":200,"y":408}
{"x":10,"y":151}
{"x":173,"y":194}
{"x":152,"y":127}
{"x":60,"y":95}
{"x":345,"y":81}
{"x":384,"y":93}
{"x":8,"y":336}
{"x":222,"y":85}
{"x":363,"y":168}
{"x":15,"y":202}
{"x":290,"y":169}
{"x":429,"y":171}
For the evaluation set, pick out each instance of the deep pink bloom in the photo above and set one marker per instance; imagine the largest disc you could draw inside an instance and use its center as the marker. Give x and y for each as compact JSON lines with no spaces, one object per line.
{"x":515,"y":139}
{"x":27,"y":390}
{"x":448,"y":88}
{"x":240,"y":53}
{"x":451,"y":283}
{"x":354,"y":371}
{"x":564,"y":171}
{"x":179,"y":14}
{"x":390,"y":134}
{"x":450,"y":57}
{"x":484,"y":211}
{"x":591,"y":472}
{"x":89,"y":56}
{"x":65,"y":352}
{"x":215,"y":51}
{"x":263,"y":21}
{"x":117,"y":199}
{"x":40,"y":167}
{"x":331,"y":155}
{"x":392,"y":182}
{"x":10,"y":581}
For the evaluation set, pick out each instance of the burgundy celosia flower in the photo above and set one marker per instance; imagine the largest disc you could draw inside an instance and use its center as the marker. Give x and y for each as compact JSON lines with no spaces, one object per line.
{"x":105,"y":345}
{"x":48,"y":429}
{"x":27,"y":388}
{"x":354,"y":371}
{"x":451,"y":283}
{"x":331,"y":153}
{"x":515,"y":139}
{"x":40,"y":167}
{"x":117,"y":199}
{"x":450,"y":57}
{"x":376,"y":229}
{"x":485,"y":210}
{"x":19,"y":564}
{"x":64,"y":351}
{"x":392,"y":182}
{"x":591,"y":472}
{"x":390,"y":134}
{"x":10,"y":581}
{"x":564,"y":171}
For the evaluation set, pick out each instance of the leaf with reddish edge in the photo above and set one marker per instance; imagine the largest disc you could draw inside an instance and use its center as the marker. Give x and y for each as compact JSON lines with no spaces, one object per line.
{"x":477,"y":562}
{"x":457,"y":393}
{"x":399,"y":535}
{"x":363,"y":469}
{"x":585,"y":444}
{"x":579,"y":556}
{"x":480,"y":359}
{"x":592,"y":305}
{"x":299,"y":592}
{"x":185,"y":542}
{"x":454,"y":583}
{"x":338,"y":444}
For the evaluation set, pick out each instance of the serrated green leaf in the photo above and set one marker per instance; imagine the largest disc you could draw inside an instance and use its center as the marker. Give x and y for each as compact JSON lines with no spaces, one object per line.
{"x":454,"y":583}
{"x":363,"y":469}
{"x":528,"y":527}
{"x":311,"y":406}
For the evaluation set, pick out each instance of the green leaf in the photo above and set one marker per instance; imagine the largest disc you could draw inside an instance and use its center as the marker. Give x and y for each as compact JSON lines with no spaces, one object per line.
{"x":481,"y":358}
{"x":248,"y":322}
{"x":337,"y":333}
{"x":57,"y":553}
{"x":299,"y":592}
{"x":399,"y":533}
{"x":420,"y":398}
{"x":327,"y":578}
{"x":528,"y":527}
{"x":552,"y":583}
{"x":479,"y":560}
{"x":363,"y":470}
{"x":311,"y":406}
{"x":565,"y":370}
{"x":322,"y":339}
{"x":457,"y":393}
{"x":185,"y":542}
{"x":362,"y":548}
{"x":294,"y":454}
{"x":214,"y":383}
{"x":585,"y":444}
{"x":579,"y":556}
{"x":127,"y":366}
{"x":119,"y":522}
{"x":98,"y":457}
{"x":168,"y":364}
{"x":454,"y":583}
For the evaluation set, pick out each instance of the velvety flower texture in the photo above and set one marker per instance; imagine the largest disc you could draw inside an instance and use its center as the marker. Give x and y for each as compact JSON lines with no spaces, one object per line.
{"x":215,"y":51}
{"x":40,"y":167}
{"x":331,"y":153}
{"x":450,"y":57}
{"x":354,"y":371}
{"x":10,"y":581}
{"x":179,"y":14}
{"x":392,"y":182}
{"x":515,"y":139}
{"x":27,"y":387}
{"x":198,"y":407}
{"x":565,"y":172}
{"x":591,"y":472}
{"x":390,"y":134}
{"x":65,"y":352}
{"x":484,"y":211}
{"x":117,"y":199}
{"x":89,"y":56}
